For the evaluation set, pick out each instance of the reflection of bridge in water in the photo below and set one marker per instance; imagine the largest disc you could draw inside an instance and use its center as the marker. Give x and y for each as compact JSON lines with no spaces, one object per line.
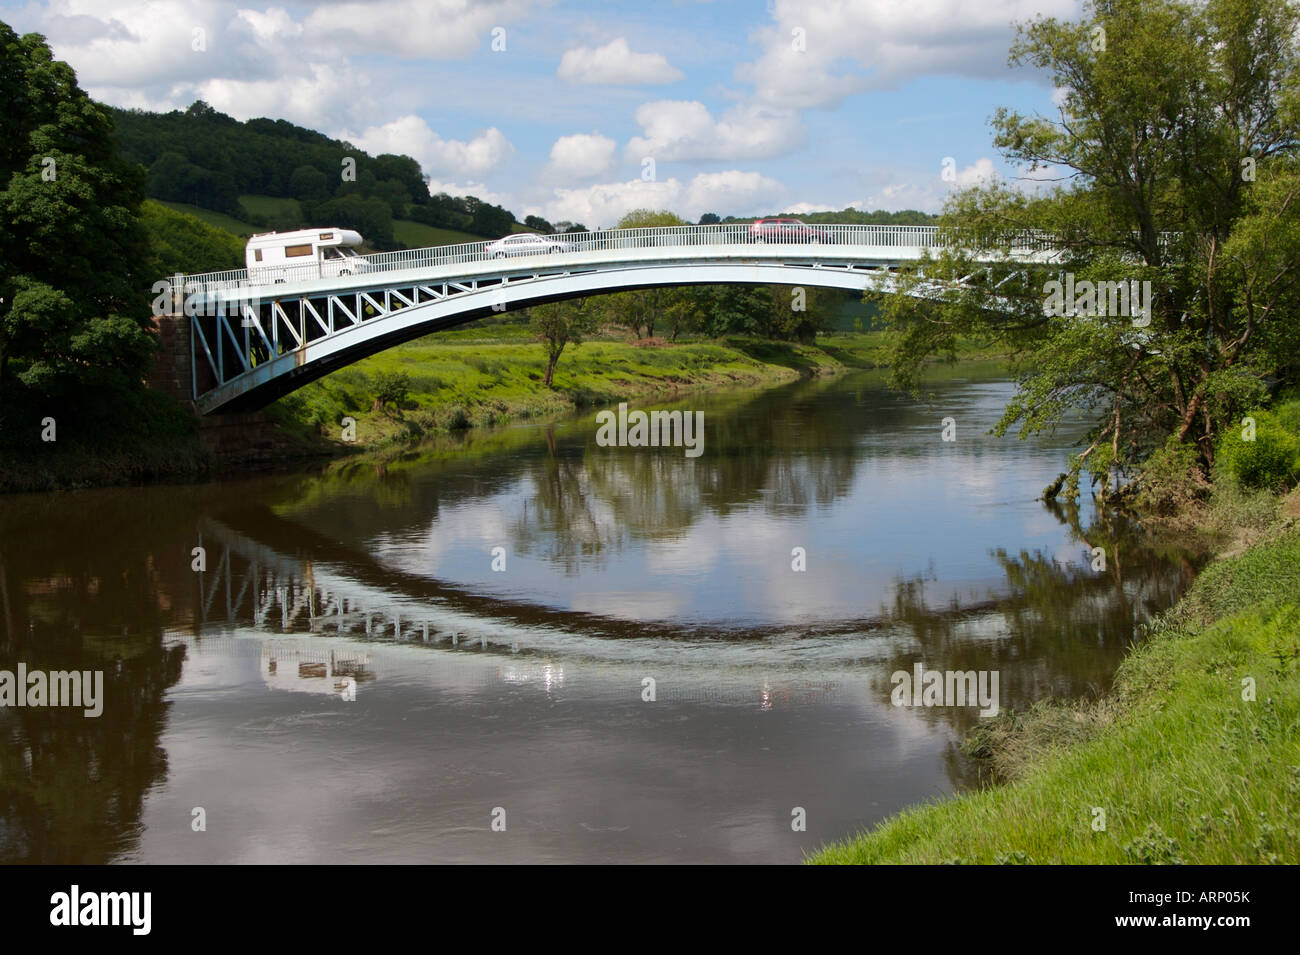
{"x":250,"y":583}
{"x":312,"y":611}
{"x":1048,"y":629}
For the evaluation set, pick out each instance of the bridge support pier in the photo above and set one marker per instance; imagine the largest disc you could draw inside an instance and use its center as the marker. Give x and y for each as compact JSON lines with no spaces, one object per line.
{"x":172,"y":373}
{"x":246,"y":439}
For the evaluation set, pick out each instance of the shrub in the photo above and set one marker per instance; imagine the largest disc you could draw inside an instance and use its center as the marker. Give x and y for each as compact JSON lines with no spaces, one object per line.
{"x":455,"y":418}
{"x":392,"y":391}
{"x":1288,"y":415}
{"x":1171,"y":481}
{"x":1271,"y":460}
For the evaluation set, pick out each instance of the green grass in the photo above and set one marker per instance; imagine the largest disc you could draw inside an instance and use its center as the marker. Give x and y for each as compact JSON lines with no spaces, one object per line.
{"x":271,"y":205}
{"x":1186,"y":770}
{"x":490,"y":373}
{"x":217,"y":219}
{"x":417,"y":235}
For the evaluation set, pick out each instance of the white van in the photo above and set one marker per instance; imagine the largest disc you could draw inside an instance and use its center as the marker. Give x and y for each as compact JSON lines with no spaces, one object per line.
{"x":302,"y":255}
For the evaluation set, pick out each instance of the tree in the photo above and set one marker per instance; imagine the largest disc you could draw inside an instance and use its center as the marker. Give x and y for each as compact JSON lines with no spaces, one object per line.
{"x":732,"y":309}
{"x":184,"y":243}
{"x":392,"y":390}
{"x":795,"y":313}
{"x":641,"y":309}
{"x":1183,"y":176}
{"x":308,"y":182}
{"x":649,"y":219}
{"x":372,"y":217}
{"x":394,"y":193}
{"x":487,"y":219}
{"x":74,"y":298}
{"x":538,"y":224}
{"x":560,"y":324}
{"x":679,"y":312}
{"x":404,"y":171}
{"x":710,"y":218}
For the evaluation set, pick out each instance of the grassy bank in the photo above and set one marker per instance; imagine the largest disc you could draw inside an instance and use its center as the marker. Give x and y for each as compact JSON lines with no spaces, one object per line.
{"x":485,"y":375}
{"x":1185,"y":768}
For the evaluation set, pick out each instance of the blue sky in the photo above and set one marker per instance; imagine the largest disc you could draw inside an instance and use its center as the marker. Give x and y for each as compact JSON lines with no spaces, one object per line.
{"x":583,"y":110}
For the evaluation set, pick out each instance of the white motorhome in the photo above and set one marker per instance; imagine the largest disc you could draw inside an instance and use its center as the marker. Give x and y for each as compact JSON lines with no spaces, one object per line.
{"x":304,"y":254}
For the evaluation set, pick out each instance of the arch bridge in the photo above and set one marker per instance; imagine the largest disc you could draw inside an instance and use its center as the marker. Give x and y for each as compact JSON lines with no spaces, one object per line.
{"x":252,"y":341}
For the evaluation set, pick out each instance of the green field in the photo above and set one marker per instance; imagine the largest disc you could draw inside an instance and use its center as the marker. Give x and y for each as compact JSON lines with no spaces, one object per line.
{"x":270,"y":205}
{"x":417,"y":235}
{"x":217,"y":220}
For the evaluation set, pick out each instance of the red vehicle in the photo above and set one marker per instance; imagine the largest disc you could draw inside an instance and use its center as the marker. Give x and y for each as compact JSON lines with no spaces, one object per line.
{"x":785,"y":230}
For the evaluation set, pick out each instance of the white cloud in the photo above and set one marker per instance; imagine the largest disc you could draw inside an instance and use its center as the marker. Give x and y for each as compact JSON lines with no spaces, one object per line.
{"x":979,"y":173}
{"x":438,"y":157}
{"x":424,"y":29}
{"x":850,"y":46}
{"x":580,"y":156}
{"x":684,"y":130}
{"x":601,"y":205}
{"x":133,"y":44}
{"x":322,"y":94}
{"x":615,"y":64}
{"x":732,"y":192}
{"x":476,"y":189}
{"x":896,"y":196}
{"x":926,"y":190}
{"x":164,"y":54}
{"x":272,"y":26}
{"x":803,"y":208}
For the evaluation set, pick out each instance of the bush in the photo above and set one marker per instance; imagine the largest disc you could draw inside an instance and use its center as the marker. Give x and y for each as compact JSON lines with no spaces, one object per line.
{"x":392,"y":391}
{"x":1288,"y":414}
{"x":1171,"y":481}
{"x":455,"y":418}
{"x":1271,"y":460}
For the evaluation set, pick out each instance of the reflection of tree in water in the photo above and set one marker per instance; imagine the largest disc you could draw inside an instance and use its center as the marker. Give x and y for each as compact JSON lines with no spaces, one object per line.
{"x":564,"y":520}
{"x":783,"y":456}
{"x":785,"y":449}
{"x":789,"y":450}
{"x":1056,"y":630}
{"x":72,"y":787}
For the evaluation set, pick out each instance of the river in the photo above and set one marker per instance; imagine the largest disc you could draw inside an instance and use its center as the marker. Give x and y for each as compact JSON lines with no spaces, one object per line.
{"x":516,"y":645}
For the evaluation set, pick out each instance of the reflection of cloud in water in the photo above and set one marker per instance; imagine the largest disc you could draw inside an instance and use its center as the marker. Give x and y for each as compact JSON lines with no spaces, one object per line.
{"x":630,"y":605}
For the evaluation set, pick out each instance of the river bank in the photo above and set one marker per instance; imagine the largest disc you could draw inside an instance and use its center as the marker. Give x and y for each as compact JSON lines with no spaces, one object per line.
{"x":460,"y":379}
{"x":1191,"y":758}
{"x":483,"y":376}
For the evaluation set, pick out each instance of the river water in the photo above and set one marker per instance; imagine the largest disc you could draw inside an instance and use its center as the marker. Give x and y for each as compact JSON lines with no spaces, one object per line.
{"x":518,"y":645}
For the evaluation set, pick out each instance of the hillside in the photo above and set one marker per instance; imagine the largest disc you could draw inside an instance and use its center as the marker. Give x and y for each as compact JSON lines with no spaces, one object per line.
{"x":406,"y":232}
{"x":271,"y":174}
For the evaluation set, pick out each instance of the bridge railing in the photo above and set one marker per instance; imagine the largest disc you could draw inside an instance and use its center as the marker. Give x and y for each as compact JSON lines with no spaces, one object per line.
{"x":724,"y":235}
{"x":729,"y":235}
